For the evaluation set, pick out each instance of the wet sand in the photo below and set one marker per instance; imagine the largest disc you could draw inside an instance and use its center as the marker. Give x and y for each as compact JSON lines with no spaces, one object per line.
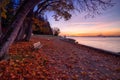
{"x":79,"y":62}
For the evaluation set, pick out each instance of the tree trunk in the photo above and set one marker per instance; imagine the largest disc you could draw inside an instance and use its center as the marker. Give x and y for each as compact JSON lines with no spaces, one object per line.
{"x":16,"y":26}
{"x":0,"y":28}
{"x":21,"y":33}
{"x":0,"y":20}
{"x":28,"y":31}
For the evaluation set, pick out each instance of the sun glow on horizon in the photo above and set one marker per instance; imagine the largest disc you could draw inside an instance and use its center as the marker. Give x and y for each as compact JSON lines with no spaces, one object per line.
{"x":113,"y":32}
{"x":107,"y":24}
{"x":92,"y":29}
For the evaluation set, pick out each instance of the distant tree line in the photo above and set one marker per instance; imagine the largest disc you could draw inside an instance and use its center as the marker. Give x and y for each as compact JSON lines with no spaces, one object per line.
{"x":41,"y":26}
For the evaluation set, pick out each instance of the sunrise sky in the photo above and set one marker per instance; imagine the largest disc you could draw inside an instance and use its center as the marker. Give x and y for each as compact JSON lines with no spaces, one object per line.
{"x":108,"y":23}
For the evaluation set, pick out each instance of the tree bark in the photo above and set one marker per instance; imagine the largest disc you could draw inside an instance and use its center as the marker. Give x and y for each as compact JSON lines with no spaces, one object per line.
{"x":0,"y":27}
{"x":21,"y":33}
{"x":0,"y":20}
{"x":16,"y":26}
{"x":25,"y":31}
{"x":28,"y":31}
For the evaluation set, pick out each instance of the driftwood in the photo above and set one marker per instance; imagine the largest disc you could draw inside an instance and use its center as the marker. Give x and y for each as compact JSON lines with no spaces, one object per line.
{"x":37,"y":45}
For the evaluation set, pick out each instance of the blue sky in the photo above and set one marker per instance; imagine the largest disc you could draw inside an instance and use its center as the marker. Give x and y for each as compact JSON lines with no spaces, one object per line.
{"x":108,"y":23}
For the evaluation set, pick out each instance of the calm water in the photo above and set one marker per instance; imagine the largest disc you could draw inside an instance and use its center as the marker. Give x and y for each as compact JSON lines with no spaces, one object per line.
{"x":105,"y":43}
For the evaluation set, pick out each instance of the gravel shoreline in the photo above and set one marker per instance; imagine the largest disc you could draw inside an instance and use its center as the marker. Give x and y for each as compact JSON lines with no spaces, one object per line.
{"x":72,"y":41}
{"x":80,"y":62}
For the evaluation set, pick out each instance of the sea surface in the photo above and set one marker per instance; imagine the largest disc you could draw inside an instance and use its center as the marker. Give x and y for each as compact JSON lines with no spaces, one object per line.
{"x":106,"y":43}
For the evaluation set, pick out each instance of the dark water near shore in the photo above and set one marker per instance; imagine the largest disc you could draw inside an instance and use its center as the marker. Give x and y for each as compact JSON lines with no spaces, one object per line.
{"x":106,"y":43}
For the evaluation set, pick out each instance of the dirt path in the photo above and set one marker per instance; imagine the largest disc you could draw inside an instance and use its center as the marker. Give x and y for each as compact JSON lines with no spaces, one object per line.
{"x":80,"y":63}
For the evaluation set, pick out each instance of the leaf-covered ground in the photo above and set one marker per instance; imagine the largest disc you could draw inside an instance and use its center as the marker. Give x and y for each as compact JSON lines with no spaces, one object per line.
{"x":57,"y":60}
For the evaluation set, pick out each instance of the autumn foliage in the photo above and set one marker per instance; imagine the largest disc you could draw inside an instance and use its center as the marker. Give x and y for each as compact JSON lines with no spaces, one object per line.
{"x":41,"y":26}
{"x":27,"y":64}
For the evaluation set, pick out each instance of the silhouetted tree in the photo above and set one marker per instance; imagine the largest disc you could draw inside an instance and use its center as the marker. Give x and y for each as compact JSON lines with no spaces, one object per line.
{"x":56,"y":31}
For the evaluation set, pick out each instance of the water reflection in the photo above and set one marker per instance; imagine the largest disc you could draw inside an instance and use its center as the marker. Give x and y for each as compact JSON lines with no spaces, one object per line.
{"x":105,"y":43}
